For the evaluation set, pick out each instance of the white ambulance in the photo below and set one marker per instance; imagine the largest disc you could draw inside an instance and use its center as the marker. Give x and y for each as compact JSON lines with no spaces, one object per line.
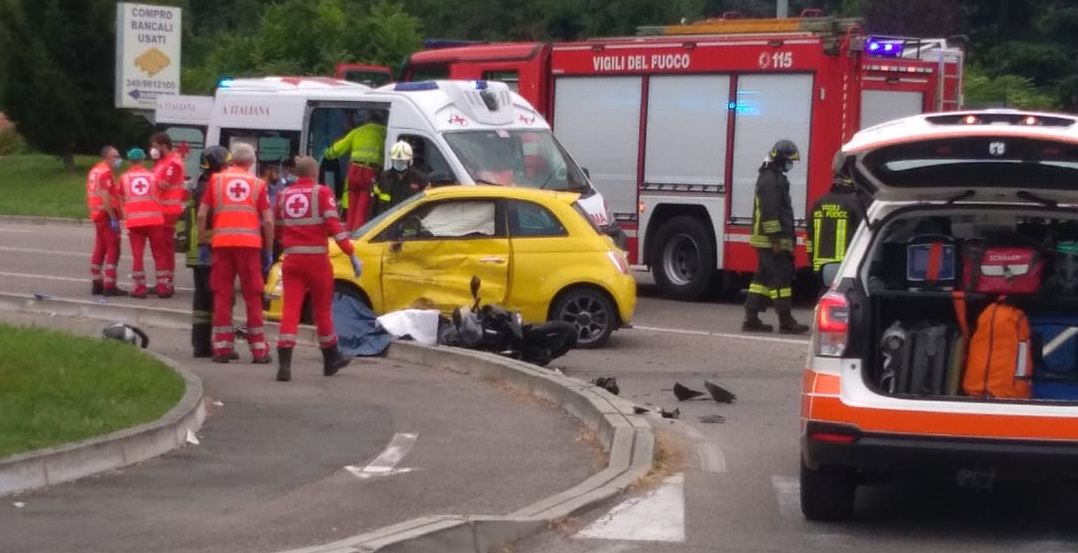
{"x":461,"y":132}
{"x":186,"y":120}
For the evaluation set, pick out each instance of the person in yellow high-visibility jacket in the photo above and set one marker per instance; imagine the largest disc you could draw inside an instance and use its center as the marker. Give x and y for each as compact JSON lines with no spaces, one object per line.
{"x":366,"y":144}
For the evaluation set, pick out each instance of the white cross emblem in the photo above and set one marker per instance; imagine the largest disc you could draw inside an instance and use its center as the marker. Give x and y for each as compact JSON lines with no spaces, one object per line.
{"x":296,"y":206}
{"x":140,"y":186}
{"x":238,"y":190}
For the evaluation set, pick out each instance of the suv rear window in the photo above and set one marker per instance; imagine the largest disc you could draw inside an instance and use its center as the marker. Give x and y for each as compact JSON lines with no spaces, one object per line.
{"x":977,"y":162}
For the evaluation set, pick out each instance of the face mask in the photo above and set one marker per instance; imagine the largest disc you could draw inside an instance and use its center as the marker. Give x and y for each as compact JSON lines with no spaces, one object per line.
{"x":116,"y":163}
{"x":155,"y":153}
{"x":400,"y":166}
{"x":787,"y":167}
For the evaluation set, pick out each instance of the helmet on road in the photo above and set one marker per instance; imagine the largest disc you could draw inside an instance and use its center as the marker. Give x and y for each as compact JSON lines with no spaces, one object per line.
{"x":214,"y":158}
{"x":401,"y":151}
{"x":783,"y":151}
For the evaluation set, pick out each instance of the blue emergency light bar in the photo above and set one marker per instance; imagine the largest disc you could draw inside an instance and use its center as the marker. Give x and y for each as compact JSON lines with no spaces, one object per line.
{"x":416,"y":86}
{"x":480,"y":85}
{"x":883,"y":48}
{"x":224,"y":83}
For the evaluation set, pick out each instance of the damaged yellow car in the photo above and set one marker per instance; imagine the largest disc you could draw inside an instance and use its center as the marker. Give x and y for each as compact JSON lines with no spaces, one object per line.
{"x":536,"y":251}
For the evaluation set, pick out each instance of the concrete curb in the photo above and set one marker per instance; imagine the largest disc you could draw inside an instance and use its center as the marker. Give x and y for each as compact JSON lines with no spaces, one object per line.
{"x":38,"y":220}
{"x":46,"y":467}
{"x":628,"y":438}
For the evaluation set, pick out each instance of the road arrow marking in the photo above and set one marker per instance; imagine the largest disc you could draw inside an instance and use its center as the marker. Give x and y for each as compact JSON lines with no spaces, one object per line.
{"x":658,"y":515}
{"x":385,"y":463}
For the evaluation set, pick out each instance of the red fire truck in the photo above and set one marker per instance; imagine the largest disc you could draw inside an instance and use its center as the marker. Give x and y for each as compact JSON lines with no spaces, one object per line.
{"x":673,"y":124}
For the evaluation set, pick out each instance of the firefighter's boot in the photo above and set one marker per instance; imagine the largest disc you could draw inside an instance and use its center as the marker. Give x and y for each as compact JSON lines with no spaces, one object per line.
{"x":284,"y":364}
{"x":752,"y":315}
{"x":333,"y":360}
{"x":202,"y":340}
{"x":787,"y":323}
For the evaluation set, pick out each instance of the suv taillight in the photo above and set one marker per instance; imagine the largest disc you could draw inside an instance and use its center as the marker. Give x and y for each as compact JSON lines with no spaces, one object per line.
{"x":832,"y":325}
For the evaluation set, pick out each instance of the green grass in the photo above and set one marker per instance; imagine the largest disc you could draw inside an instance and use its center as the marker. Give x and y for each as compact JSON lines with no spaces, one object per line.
{"x":37,"y":184}
{"x":57,"y":388}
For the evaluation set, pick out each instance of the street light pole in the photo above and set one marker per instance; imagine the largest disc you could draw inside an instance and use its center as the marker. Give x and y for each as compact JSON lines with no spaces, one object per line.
{"x":782,"y":8}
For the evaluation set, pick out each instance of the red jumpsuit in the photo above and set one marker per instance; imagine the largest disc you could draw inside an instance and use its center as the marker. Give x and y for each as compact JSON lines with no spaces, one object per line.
{"x":237,"y":200}
{"x":143,"y":219}
{"x":106,"y":241}
{"x":305,"y":215}
{"x":169,"y":173}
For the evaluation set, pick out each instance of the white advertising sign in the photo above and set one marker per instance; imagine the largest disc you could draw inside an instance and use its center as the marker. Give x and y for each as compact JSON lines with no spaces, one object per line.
{"x":147,"y":54}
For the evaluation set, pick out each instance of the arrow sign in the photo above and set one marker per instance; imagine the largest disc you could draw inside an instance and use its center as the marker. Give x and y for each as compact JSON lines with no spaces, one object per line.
{"x":135,"y":94}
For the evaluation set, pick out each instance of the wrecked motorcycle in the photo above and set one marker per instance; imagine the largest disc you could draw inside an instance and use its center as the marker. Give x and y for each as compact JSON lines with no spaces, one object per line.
{"x":496,"y":329}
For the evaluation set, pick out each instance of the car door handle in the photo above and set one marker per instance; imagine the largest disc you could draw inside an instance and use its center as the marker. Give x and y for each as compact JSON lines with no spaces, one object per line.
{"x":395,"y":247}
{"x":492,"y":259}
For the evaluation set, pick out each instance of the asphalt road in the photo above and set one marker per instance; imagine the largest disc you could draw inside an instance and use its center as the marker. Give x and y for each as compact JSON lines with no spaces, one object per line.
{"x":743,"y":494}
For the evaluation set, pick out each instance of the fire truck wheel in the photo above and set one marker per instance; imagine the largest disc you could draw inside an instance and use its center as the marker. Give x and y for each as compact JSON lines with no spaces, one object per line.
{"x":683,"y":259}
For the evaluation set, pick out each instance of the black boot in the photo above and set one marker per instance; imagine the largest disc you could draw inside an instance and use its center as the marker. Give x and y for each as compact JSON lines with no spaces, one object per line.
{"x":202,"y":340}
{"x":97,"y":287}
{"x":752,"y":315}
{"x":333,"y":361}
{"x":787,"y":323}
{"x":284,"y":364}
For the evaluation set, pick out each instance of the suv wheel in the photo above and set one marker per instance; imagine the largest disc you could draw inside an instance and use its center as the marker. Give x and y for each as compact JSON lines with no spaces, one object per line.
{"x":827,"y":493}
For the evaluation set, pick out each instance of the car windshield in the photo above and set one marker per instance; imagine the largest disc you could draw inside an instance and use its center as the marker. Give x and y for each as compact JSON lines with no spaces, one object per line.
{"x":366,"y":227}
{"x":523,"y":157}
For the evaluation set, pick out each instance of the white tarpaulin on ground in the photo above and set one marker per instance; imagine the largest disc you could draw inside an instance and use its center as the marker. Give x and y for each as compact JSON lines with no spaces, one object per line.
{"x":420,"y":324}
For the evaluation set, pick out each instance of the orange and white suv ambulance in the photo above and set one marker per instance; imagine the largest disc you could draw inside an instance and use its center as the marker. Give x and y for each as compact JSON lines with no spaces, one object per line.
{"x":958,"y":178}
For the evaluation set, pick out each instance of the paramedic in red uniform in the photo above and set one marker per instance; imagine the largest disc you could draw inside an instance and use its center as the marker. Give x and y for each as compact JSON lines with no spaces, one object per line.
{"x":169,"y":173}
{"x":305,"y":214}
{"x":143,"y":219}
{"x":241,"y":240}
{"x":103,"y":201}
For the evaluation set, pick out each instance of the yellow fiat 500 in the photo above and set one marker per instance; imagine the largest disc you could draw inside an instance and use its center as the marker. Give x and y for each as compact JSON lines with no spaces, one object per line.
{"x":536,"y":251}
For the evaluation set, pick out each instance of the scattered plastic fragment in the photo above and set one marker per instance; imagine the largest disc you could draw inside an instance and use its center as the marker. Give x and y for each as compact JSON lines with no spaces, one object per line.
{"x":718,"y":393}
{"x":218,"y":403}
{"x":19,"y":504}
{"x":683,"y":394}
{"x":640,"y":410}
{"x":42,"y":296}
{"x":607,"y":383}
{"x":191,"y":438}
{"x":675,"y":414}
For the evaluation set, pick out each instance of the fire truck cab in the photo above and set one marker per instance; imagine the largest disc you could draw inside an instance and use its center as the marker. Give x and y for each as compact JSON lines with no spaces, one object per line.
{"x":673,"y":124}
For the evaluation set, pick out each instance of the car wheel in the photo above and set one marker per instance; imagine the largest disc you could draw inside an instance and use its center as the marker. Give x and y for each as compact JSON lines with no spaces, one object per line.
{"x":683,"y":259}
{"x":341,"y":289}
{"x":591,"y":312}
{"x":827,"y":493}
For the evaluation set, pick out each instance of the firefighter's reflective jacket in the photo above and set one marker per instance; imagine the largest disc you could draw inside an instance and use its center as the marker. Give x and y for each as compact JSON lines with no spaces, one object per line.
{"x":831,"y":224}
{"x":190,"y":215}
{"x":773,"y":218}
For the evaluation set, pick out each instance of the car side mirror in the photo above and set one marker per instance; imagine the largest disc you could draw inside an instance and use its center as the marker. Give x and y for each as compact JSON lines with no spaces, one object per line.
{"x":828,"y":273}
{"x":586,"y":172}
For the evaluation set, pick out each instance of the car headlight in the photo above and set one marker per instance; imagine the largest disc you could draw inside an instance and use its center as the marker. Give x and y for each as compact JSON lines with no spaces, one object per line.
{"x":278,"y":289}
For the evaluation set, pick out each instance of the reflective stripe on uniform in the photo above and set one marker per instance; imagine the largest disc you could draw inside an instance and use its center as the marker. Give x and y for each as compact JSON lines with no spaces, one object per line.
{"x":382,"y":196}
{"x":224,"y":344}
{"x":201,"y":317}
{"x":222,"y":329}
{"x":326,"y":339}
{"x":306,"y":249}
{"x":286,"y":338}
{"x":340,"y":236}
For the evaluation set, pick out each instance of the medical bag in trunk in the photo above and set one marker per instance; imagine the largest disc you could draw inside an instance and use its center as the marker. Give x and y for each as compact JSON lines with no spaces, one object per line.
{"x":992,"y":267}
{"x":1055,"y":354}
{"x":930,"y":358}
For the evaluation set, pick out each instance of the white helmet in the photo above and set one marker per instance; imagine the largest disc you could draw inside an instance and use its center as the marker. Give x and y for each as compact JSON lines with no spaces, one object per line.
{"x":401,"y":151}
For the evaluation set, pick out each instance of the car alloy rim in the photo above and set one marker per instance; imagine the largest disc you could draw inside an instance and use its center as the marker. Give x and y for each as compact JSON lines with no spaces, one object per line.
{"x":589,"y":316}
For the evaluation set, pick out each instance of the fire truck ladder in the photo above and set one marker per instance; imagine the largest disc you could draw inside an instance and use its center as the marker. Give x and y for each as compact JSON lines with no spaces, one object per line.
{"x":939,"y":50}
{"x":811,"y":22}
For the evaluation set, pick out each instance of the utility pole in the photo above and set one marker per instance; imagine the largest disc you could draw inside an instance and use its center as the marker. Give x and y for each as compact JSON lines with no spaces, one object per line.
{"x":782,"y":8}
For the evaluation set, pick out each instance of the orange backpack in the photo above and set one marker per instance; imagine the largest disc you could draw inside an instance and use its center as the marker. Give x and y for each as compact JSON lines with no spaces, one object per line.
{"x":999,"y":362}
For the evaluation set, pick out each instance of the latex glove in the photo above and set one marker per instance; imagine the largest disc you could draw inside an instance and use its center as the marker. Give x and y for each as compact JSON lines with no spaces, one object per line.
{"x":204,"y":254}
{"x":267,"y":262}
{"x":115,"y":224}
{"x":357,"y":265}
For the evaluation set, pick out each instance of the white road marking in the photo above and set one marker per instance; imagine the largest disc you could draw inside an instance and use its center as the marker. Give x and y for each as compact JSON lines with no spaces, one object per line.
{"x":794,"y":341}
{"x":70,"y":279}
{"x":788,"y":494}
{"x":386,"y":462}
{"x":40,"y":251}
{"x":658,"y":515}
{"x":17,"y":230}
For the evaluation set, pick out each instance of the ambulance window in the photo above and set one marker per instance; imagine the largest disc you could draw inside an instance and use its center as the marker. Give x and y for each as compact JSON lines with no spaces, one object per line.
{"x":510,"y":78}
{"x":270,"y":146}
{"x":189,"y":143}
{"x":428,"y":158}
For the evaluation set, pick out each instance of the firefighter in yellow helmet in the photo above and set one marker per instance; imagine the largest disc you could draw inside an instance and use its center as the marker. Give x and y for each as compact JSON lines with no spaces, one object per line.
{"x":773,"y":238}
{"x":401,"y":181}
